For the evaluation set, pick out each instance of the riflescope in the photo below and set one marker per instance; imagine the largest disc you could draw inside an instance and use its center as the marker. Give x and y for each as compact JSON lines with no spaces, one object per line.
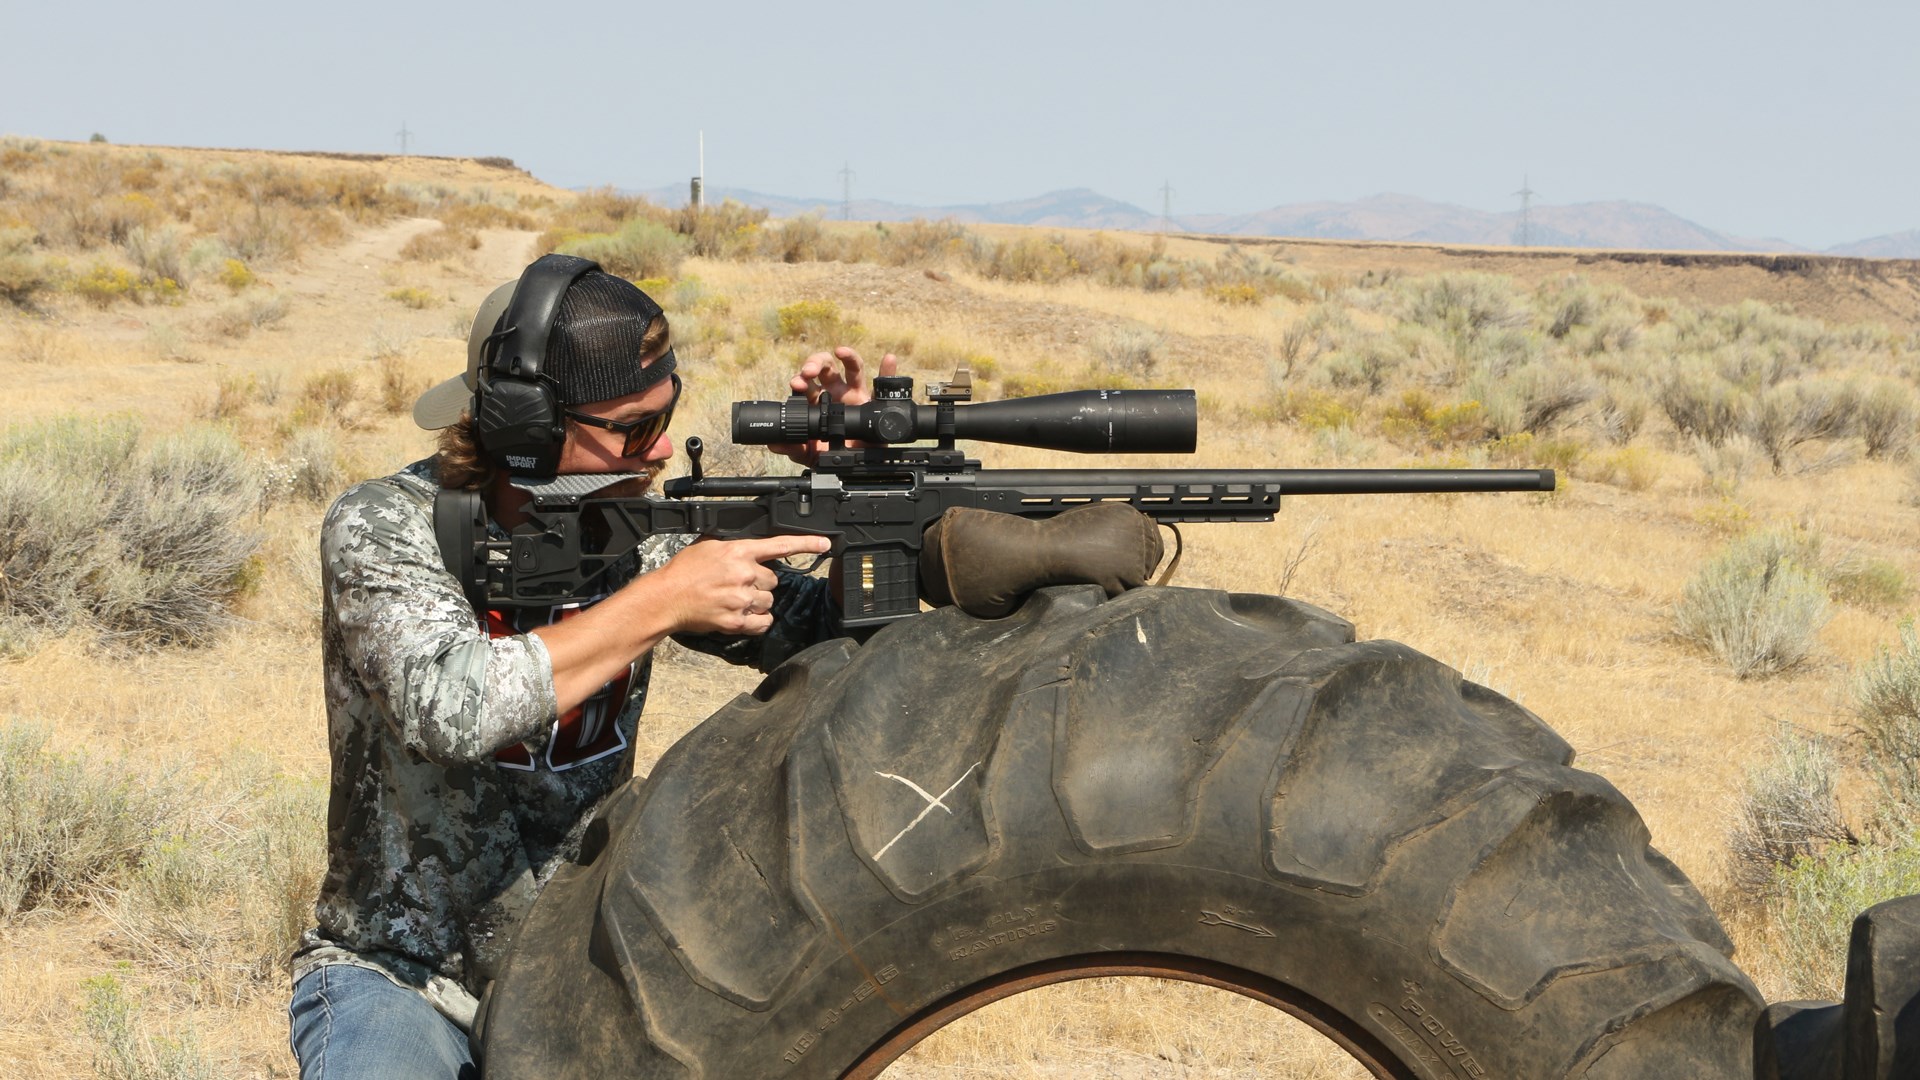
{"x":1085,"y":421}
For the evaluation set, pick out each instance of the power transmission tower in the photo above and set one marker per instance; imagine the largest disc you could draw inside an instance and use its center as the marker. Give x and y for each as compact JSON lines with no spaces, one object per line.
{"x":1526,"y":194}
{"x":1166,"y":207}
{"x":846,"y":192}
{"x":404,"y":136}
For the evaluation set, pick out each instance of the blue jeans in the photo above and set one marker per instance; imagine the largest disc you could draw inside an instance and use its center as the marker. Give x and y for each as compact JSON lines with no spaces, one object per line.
{"x":350,"y":1023}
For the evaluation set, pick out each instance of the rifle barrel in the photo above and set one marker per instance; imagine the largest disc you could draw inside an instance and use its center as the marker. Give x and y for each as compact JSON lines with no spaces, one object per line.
{"x":1290,"y":481}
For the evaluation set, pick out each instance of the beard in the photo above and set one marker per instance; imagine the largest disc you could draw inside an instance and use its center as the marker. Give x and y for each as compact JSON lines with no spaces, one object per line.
{"x":633,"y":487}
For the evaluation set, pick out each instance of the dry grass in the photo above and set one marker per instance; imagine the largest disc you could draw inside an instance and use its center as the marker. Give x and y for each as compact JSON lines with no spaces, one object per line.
{"x":1127,"y":1029}
{"x":1562,"y":601}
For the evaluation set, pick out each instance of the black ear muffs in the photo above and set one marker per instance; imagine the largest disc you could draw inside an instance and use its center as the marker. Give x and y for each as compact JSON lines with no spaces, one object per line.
{"x":516,"y":415}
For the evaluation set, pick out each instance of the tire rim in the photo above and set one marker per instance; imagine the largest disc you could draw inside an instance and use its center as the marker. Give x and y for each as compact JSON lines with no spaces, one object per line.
{"x":1358,"y":1043}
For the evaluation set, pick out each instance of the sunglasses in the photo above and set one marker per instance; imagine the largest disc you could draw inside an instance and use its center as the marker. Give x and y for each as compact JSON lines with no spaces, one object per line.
{"x":642,"y":433}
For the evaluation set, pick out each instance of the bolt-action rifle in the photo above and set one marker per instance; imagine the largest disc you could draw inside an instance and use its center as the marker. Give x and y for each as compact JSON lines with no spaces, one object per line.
{"x":874,"y":497}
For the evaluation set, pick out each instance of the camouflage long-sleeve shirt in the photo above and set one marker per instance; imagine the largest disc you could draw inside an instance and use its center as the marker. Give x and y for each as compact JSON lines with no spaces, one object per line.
{"x":456,"y":787}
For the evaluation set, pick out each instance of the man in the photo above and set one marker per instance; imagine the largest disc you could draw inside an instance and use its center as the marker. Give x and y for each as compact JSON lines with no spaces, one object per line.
{"x":469,"y":752}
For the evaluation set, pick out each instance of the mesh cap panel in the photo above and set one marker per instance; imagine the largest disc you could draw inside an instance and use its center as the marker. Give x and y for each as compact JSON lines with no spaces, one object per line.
{"x":593,"y":351}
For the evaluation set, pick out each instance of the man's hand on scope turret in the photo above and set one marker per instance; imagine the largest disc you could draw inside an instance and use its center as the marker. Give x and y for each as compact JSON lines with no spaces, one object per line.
{"x":820,"y":376}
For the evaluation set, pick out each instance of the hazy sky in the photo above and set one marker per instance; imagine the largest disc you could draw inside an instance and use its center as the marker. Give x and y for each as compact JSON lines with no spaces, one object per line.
{"x":1759,"y":118}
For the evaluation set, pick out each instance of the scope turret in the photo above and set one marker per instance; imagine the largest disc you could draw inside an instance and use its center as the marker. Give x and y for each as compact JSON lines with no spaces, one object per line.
{"x":1084,"y":421}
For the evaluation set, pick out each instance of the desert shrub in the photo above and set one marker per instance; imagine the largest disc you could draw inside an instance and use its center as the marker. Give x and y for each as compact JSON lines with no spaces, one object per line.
{"x":69,"y":827}
{"x":37,"y":343}
{"x":1314,"y":410}
{"x":1499,"y":353}
{"x":727,"y":231}
{"x":1122,"y":264}
{"x":235,"y":275}
{"x":362,"y":197}
{"x":1786,"y":416}
{"x":1788,"y":810}
{"x":1237,"y":277}
{"x":223,"y":897}
{"x":1818,"y":900}
{"x":1574,"y":304}
{"x":1887,"y":418}
{"x":414,"y":296}
{"x":1631,"y":467}
{"x":1463,"y":306}
{"x":238,"y":319}
{"x":1418,"y":420}
{"x":817,"y":322}
{"x":1813,"y":899}
{"x":22,"y":271}
{"x":1754,"y":366}
{"x":166,"y":342}
{"x":1343,"y":444}
{"x":1238,"y":294}
{"x":1315,"y":334}
{"x":1616,"y":333}
{"x":1727,"y":464}
{"x":398,"y":389}
{"x":921,"y":243}
{"x":1035,"y":381}
{"x":443,"y":242}
{"x":798,"y":239}
{"x":1869,"y":582}
{"x":331,"y":393}
{"x":603,"y":210}
{"x":1620,"y":413}
{"x":158,"y":254}
{"x":148,"y":546}
{"x":262,"y":232}
{"x":641,"y":248}
{"x":1800,"y":343}
{"x":689,"y":294}
{"x":232,"y":393}
{"x":1759,"y":604}
{"x":1535,"y":399}
{"x":1525,"y":450}
{"x":128,"y":1047}
{"x":464,"y":218}
{"x":104,"y":284}
{"x":942,"y":356}
{"x":1886,"y":708}
{"x":1364,"y":363}
{"x":385,"y":342}
{"x":308,"y":468}
{"x":1129,"y":350}
{"x":1699,"y":403}
{"x":1043,"y":260}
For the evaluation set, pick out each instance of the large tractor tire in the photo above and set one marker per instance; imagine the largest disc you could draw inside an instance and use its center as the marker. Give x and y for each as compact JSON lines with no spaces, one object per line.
{"x":1183,"y":783}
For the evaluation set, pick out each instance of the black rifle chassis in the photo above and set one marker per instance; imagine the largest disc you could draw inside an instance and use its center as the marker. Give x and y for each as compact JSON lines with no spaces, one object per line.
{"x":874,"y":502}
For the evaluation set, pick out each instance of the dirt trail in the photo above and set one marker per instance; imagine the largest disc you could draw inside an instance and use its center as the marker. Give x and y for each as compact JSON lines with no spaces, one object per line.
{"x":344,"y":299}
{"x":357,"y":271}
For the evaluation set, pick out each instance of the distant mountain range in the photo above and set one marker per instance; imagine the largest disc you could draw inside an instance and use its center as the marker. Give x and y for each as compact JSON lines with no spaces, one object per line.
{"x":1630,"y":225}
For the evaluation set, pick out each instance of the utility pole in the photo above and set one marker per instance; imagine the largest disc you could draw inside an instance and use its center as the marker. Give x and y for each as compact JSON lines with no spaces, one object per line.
{"x":403,"y":135}
{"x":846,"y":192}
{"x":1166,"y":207}
{"x":1526,"y":194}
{"x":698,"y":195}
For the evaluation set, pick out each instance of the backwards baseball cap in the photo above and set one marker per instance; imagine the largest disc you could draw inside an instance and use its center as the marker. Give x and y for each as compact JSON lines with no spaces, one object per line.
{"x":593,"y":350}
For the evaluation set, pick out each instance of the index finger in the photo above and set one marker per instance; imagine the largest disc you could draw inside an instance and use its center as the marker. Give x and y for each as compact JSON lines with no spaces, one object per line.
{"x":811,"y":369}
{"x":779,"y":547}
